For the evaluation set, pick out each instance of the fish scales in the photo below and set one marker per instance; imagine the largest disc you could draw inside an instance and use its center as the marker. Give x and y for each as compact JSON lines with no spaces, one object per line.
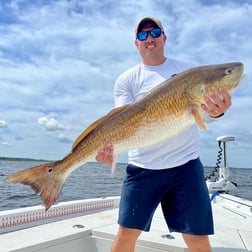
{"x":164,"y":112}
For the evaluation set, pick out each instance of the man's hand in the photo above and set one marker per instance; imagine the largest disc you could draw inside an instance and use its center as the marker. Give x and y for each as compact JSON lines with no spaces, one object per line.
{"x":105,"y":155}
{"x":217,"y":104}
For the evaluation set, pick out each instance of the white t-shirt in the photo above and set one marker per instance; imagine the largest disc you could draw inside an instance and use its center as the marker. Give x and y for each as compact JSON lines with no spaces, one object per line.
{"x":172,"y":152}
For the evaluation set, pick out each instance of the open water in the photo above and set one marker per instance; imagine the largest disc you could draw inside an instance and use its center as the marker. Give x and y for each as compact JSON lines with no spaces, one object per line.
{"x":89,"y":181}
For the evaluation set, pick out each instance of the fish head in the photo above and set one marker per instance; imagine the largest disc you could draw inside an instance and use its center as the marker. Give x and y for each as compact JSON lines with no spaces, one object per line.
{"x":210,"y":78}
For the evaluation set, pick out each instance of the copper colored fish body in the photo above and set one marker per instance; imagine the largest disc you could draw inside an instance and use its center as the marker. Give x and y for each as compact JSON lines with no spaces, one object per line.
{"x":164,"y":112}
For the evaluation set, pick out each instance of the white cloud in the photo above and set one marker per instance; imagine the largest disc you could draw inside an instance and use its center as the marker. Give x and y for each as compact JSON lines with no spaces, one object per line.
{"x":50,"y":124}
{"x":59,"y":61}
{"x":3,"y":124}
{"x":64,"y":138}
{"x":5,"y":144}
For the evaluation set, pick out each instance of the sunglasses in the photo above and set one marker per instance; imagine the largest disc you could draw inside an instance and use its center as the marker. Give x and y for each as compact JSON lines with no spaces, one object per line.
{"x":155,"y":33}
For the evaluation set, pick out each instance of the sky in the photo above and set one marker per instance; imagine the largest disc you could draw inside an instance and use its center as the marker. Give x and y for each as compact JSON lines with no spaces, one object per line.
{"x":59,"y":61}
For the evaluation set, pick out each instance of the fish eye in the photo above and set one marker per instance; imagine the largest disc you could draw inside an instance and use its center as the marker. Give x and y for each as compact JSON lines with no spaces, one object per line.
{"x":228,"y":71}
{"x":50,"y":170}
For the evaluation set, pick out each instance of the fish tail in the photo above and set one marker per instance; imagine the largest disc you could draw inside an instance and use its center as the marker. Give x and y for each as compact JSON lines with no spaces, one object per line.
{"x":43,"y":179}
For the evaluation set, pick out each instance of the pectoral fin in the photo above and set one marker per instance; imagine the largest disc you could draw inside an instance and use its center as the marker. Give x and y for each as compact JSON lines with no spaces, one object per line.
{"x":113,"y":167}
{"x":198,"y":119}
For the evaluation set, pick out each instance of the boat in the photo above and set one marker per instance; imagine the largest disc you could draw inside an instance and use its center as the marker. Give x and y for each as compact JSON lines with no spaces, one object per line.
{"x":90,"y":225}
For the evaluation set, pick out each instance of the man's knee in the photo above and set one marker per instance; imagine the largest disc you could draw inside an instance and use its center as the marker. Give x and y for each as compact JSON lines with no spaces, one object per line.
{"x":197,"y":243}
{"x":125,"y":240}
{"x":128,"y":234}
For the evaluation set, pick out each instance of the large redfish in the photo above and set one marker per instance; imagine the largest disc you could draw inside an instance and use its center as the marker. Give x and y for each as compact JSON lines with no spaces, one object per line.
{"x":164,"y":112}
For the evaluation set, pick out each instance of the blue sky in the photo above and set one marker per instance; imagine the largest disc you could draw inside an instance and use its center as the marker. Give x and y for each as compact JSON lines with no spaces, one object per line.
{"x":59,"y":61}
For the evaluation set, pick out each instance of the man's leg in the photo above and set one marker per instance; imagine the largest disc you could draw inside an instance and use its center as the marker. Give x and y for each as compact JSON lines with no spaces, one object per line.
{"x":197,"y":243}
{"x":125,"y":240}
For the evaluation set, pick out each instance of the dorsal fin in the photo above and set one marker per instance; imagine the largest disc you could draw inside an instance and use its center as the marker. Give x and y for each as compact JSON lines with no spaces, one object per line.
{"x":95,"y":124}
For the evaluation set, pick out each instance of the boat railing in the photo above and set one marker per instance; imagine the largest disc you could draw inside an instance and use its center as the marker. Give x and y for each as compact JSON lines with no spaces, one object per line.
{"x":12,"y":220}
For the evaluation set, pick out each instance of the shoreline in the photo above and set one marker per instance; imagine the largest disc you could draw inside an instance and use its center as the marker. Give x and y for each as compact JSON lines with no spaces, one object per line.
{"x":23,"y":159}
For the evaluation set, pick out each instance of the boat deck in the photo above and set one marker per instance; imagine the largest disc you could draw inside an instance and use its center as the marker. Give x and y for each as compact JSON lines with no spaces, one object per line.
{"x":95,"y":232}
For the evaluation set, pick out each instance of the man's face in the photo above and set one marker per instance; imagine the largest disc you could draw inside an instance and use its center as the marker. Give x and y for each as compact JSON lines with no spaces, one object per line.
{"x":151,"y":48}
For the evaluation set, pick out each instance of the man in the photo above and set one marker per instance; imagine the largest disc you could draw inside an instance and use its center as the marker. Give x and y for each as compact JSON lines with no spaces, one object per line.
{"x":169,"y":172}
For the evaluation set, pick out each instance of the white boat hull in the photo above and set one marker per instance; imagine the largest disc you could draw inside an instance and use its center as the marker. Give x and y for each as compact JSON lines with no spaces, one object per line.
{"x":95,"y":229}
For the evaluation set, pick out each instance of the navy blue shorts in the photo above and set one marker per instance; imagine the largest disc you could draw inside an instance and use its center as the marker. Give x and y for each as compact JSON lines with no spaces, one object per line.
{"x":182,"y":192}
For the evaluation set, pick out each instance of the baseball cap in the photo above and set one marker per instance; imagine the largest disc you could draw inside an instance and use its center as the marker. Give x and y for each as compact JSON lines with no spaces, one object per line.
{"x":144,"y":20}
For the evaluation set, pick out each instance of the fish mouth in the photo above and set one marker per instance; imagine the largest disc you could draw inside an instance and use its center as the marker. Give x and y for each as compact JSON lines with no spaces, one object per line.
{"x":242,"y":79}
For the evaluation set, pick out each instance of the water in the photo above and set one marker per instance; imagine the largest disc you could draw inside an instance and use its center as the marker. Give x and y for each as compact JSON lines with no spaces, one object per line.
{"x":89,"y":181}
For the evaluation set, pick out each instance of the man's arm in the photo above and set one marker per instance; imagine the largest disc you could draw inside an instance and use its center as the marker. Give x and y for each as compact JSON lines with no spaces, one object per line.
{"x":122,"y":96}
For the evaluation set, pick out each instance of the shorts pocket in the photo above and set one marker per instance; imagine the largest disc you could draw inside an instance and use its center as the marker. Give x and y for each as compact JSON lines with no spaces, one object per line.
{"x":133,"y":172}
